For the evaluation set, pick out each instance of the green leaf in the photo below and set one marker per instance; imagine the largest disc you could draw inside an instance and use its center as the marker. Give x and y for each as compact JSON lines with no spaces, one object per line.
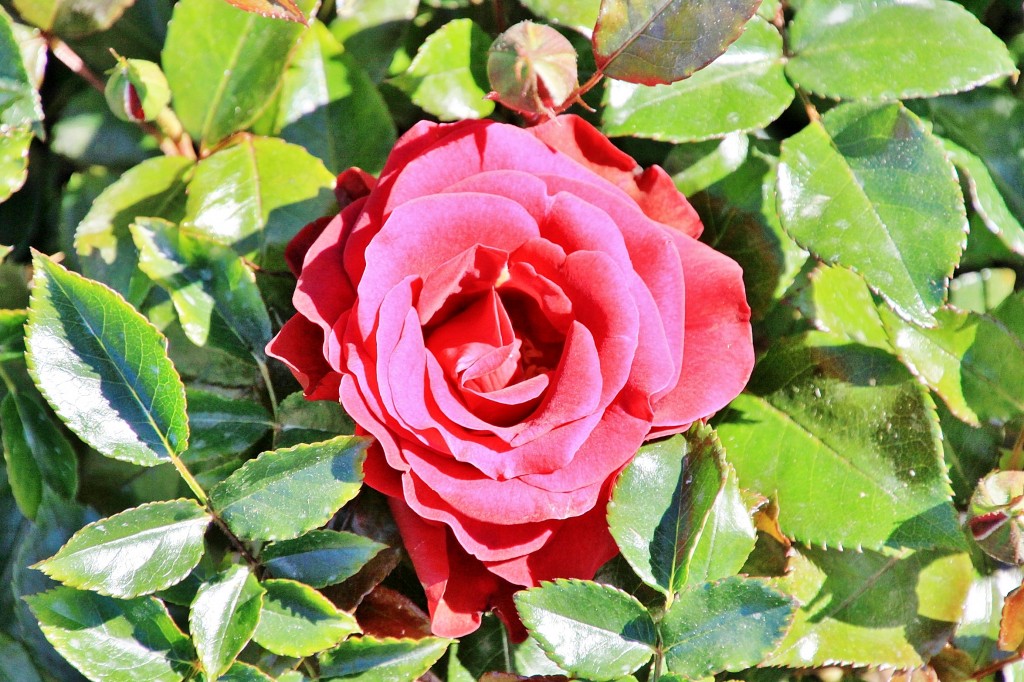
{"x":889,"y":50}
{"x":981,"y":291}
{"x":970,"y":453}
{"x":20,"y":106}
{"x":840,"y":303}
{"x":985,"y":197}
{"x":741,"y":90}
{"x":224,"y":616}
{"x":257,"y":194}
{"x":661,"y":41}
{"x":92,"y":632}
{"x":330,"y":106}
{"x":136,"y":552}
{"x":203,"y":277}
{"x":104,"y":368}
{"x":661,"y":503}
{"x":740,"y":220}
{"x":448,"y":76}
{"x":310,"y":421}
{"x":369,"y":659}
{"x":896,"y":609}
{"x":36,"y":452}
{"x":578,"y":14}
{"x":12,"y":328}
{"x":71,"y":18}
{"x":243,"y":672}
{"x":220,"y":426}
{"x":855,"y":189}
{"x":729,"y":625}
{"x":372,"y":31}
{"x":695,"y":167}
{"x":591,"y":630}
{"x":971,"y":361}
{"x":320,"y":557}
{"x":102,"y":240}
{"x":14,"y":146}
{"x":988,"y":123}
{"x":728,"y":536}
{"x":224,"y":64}
{"x":847,"y":442}
{"x":284,"y":493}
{"x":299,"y":621}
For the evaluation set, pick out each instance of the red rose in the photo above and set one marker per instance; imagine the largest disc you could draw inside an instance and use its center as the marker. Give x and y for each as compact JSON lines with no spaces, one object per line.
{"x":511,"y":313}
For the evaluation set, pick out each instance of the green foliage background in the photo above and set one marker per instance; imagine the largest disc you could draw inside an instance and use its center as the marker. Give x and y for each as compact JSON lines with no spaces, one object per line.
{"x":863,"y":160}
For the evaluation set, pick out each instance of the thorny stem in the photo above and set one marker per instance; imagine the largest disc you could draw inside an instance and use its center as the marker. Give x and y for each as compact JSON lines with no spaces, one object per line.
{"x":576,"y":96}
{"x":172,"y":143}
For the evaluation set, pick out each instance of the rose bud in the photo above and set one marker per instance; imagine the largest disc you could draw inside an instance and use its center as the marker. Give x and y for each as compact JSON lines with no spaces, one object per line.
{"x":137,"y":90}
{"x":532,"y":69}
{"x":996,"y":516}
{"x":511,"y":313}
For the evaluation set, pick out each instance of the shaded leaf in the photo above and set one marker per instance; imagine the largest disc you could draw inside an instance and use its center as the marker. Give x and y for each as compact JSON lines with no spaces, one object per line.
{"x":284,"y":493}
{"x":981,"y":291}
{"x":17,"y":666}
{"x":840,"y":303}
{"x":136,"y":552}
{"x":895,"y":609}
{"x":729,"y":625}
{"x":985,"y":197}
{"x":329,"y":105}
{"x":87,"y":132}
{"x":578,"y":14}
{"x":204,"y":278}
{"x":855,"y":189}
{"x":310,"y":421}
{"x":591,"y":630}
{"x":661,"y":503}
{"x":971,"y":361}
{"x":257,"y":194}
{"x":20,"y":106}
{"x":224,"y":616}
{"x":889,"y":50}
{"x":448,"y":77}
{"x":741,"y":90}
{"x":71,"y":18}
{"x":296,"y":620}
{"x":320,"y":557}
{"x":104,"y":368}
{"x":388,"y":613}
{"x":368,"y":659}
{"x":220,"y":426}
{"x":243,"y":672}
{"x":661,"y":41}
{"x":91,"y":631}
{"x":847,"y":442}
{"x":223,"y":64}
{"x":695,"y":167}
{"x":102,"y":240}
{"x":372,"y":31}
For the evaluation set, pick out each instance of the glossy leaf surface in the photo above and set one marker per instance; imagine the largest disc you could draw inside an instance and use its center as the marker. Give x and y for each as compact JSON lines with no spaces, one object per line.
{"x":284,"y":493}
{"x":591,"y":630}
{"x":256,"y":195}
{"x":136,"y":552}
{"x":848,"y":443}
{"x":728,"y":625}
{"x":855,"y":189}
{"x":662,"y":502}
{"x":204,"y":278}
{"x":369,"y":659}
{"x":104,"y":368}
{"x":224,"y":616}
{"x":91,"y":630}
{"x":661,"y":41}
{"x":223,"y":64}
{"x":71,"y":18}
{"x":889,"y":50}
{"x":741,"y":90}
{"x":320,"y":557}
{"x":299,"y":621}
{"x":869,"y":608}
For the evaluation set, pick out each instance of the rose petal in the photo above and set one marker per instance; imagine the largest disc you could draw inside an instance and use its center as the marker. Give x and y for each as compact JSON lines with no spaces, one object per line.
{"x":292,"y":347}
{"x":719,"y":352}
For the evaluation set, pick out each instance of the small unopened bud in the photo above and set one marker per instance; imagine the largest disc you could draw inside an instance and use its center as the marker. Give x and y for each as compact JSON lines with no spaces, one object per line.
{"x":532,"y":69}
{"x":996,"y":516}
{"x":137,"y":90}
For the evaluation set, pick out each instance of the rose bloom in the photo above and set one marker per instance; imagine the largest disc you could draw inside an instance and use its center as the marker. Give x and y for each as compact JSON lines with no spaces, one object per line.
{"x":511,"y":313}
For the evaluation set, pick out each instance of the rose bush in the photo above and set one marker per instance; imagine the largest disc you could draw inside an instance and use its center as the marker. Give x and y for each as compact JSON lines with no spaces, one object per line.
{"x":511,"y":313}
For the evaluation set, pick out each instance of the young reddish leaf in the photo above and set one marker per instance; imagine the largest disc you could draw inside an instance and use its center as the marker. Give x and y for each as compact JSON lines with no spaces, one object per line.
{"x":275,"y":9}
{"x":1011,"y":628}
{"x":663,"y":41}
{"x":387,"y":613}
